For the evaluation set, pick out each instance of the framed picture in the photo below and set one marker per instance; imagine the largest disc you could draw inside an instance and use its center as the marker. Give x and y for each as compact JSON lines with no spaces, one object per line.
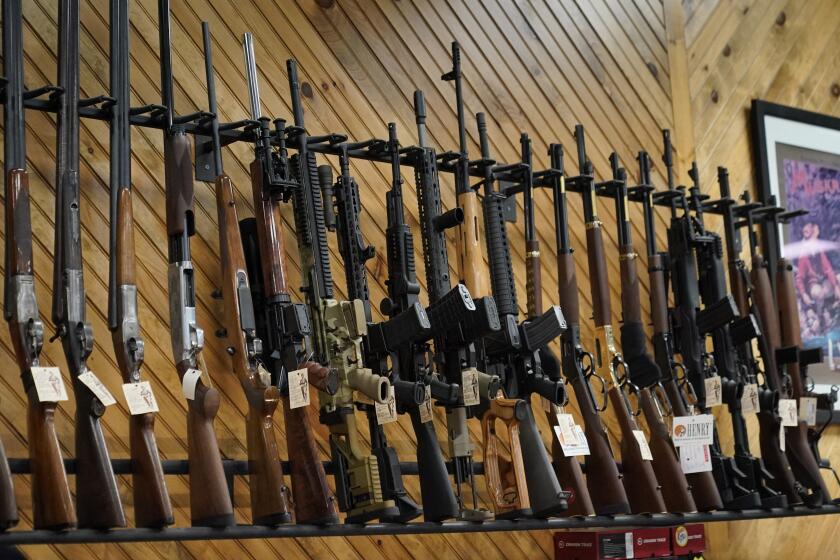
{"x":797,"y":155}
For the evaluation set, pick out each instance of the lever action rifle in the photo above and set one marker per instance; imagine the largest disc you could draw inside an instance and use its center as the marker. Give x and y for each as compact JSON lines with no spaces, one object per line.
{"x":732,"y":343}
{"x":672,"y":373}
{"x":456,"y":352}
{"x":638,"y":476}
{"x":412,"y":362}
{"x":269,"y":493}
{"x":690,"y":339}
{"x":210,"y":503}
{"x":283,"y":325}
{"x":383,"y":339}
{"x":644,"y":372}
{"x":337,"y":331}
{"x":97,"y":497}
{"x":51,"y":501}
{"x":152,"y":507}
{"x":517,"y":354}
{"x":763,"y":306}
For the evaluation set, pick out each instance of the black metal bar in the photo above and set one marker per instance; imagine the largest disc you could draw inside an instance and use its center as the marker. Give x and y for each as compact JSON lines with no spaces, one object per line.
{"x":295,"y":531}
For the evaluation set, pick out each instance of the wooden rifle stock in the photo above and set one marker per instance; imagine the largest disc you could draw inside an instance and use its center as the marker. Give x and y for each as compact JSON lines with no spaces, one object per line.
{"x":506,"y":484}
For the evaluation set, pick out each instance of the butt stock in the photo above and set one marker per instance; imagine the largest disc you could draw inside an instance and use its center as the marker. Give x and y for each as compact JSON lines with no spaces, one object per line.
{"x":506,"y":479}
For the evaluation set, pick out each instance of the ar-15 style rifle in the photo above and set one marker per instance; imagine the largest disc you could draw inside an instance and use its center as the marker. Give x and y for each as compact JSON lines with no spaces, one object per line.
{"x":152,"y":507}
{"x":97,"y":497}
{"x":52,"y":504}
{"x":732,"y":344}
{"x":643,"y":371}
{"x":338,"y":328}
{"x":270,"y":500}
{"x":690,"y":339}
{"x":517,"y":353}
{"x":283,"y":325}
{"x":677,"y":388}
{"x":210,"y":503}
{"x":455,"y":335}
{"x":638,"y":476}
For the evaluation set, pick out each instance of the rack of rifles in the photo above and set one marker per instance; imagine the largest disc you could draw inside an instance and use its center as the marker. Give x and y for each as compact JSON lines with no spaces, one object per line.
{"x":465,"y":349}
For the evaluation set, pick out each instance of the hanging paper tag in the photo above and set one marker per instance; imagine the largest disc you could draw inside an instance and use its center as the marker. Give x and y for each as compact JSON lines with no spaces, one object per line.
{"x":583,"y":445}
{"x":782,"y":438}
{"x":749,"y":400}
{"x":693,"y":430}
{"x":265,"y":375}
{"x":644,"y":448}
{"x":714,"y":392}
{"x":469,"y":387}
{"x":140,"y":398}
{"x":808,"y":410}
{"x":48,"y":384}
{"x":695,"y":459}
{"x":572,"y":439}
{"x":298,"y":388}
{"x":387,"y":412}
{"x":788,"y":412}
{"x":426,"y":406}
{"x":189,"y":382}
{"x":97,"y":388}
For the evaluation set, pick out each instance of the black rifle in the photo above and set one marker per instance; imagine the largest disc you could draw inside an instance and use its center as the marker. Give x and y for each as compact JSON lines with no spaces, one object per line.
{"x":97,"y":497}
{"x":518,"y":351}
{"x":455,"y":335}
{"x":690,"y":339}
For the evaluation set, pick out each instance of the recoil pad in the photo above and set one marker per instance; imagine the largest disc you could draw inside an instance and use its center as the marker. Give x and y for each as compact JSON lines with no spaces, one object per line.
{"x":370,"y":384}
{"x":640,"y":365}
{"x":717,"y":315}
{"x":409,"y":393}
{"x":551,"y":389}
{"x":539,"y":332}
{"x":453,"y":308}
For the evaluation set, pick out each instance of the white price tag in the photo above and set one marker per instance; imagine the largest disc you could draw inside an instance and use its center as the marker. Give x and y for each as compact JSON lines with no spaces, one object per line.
{"x":643,"y":445}
{"x":387,"y":412}
{"x":695,"y":459}
{"x":48,"y":384}
{"x":140,"y":398}
{"x":693,"y":430}
{"x":714,"y":392}
{"x":571,"y":437}
{"x":97,"y":388}
{"x":426,"y":406}
{"x":808,"y":410}
{"x":583,"y":445}
{"x":299,"y":388}
{"x":782,"y":438}
{"x":469,"y":387}
{"x":788,"y":412}
{"x":749,"y":400}
{"x":189,"y":382}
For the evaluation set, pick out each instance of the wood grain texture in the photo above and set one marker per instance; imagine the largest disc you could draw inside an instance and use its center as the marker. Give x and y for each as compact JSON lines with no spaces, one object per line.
{"x":539,"y":66}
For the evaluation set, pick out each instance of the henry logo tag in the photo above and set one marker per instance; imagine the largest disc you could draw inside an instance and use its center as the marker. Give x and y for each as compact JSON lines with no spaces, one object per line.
{"x":97,"y":388}
{"x":469,"y":387}
{"x":714,"y":392}
{"x":189,"y":382}
{"x":387,"y":412}
{"x":788,"y":412}
{"x":140,"y":398}
{"x":298,"y":388}
{"x":808,"y":410}
{"x":48,"y":384}
{"x":426,"y":406}
{"x":693,"y":430}
{"x":749,"y":401}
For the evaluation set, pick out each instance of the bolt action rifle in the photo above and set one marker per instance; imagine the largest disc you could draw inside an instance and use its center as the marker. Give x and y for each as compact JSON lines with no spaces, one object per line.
{"x":97,"y":497}
{"x":672,"y":373}
{"x":690,"y":338}
{"x":516,"y":354}
{"x":152,"y":507}
{"x":282,"y":324}
{"x":639,"y":479}
{"x":52,"y":504}
{"x":456,"y":337}
{"x":643,"y":371}
{"x":270,"y":500}
{"x":210,"y":502}
{"x":338,"y":329}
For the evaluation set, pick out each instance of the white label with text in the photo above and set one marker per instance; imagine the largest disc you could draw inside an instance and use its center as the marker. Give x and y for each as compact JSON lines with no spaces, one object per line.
{"x":140,"y":398}
{"x":644,"y":448}
{"x":695,"y":458}
{"x":808,"y":410}
{"x":387,"y":412}
{"x":97,"y":388}
{"x":749,"y":400}
{"x":426,"y":406}
{"x":693,"y":430}
{"x":469,"y":387}
{"x":48,"y":384}
{"x":714,"y":392}
{"x":298,"y":388}
{"x":189,"y":382}
{"x":788,"y":412}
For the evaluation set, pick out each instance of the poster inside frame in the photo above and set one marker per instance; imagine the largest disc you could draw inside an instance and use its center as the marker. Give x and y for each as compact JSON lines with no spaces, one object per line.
{"x":797,"y":155}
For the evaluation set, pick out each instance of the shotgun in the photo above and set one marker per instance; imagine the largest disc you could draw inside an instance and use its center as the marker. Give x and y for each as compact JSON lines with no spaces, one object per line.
{"x":639,"y":479}
{"x":152,"y":507}
{"x":270,"y":500}
{"x":52,"y":505}
{"x":97,"y":497}
{"x":337,"y":332}
{"x":677,"y":388}
{"x":210,"y":502}
{"x":644,"y":372}
{"x":283,"y":325}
